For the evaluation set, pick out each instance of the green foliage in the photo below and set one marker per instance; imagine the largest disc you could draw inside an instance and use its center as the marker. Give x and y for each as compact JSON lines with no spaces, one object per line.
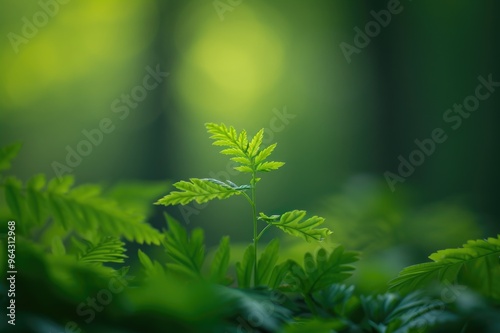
{"x":475,"y":264}
{"x":251,"y":159}
{"x":249,"y":155}
{"x":80,"y":209}
{"x":67,"y":236}
{"x":322,"y":271}
{"x":244,"y":269}
{"x":152,"y":268}
{"x":109,"y":249}
{"x":269,"y":273}
{"x":220,"y":263}
{"x":200,"y":190}
{"x":390,"y":313}
{"x":293,"y":223}
{"x":187,"y":254}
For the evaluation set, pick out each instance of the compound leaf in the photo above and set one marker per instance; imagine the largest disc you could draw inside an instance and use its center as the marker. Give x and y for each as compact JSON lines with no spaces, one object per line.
{"x":267,"y":262}
{"x":199,"y":190}
{"x":476,"y":264}
{"x":322,"y":271}
{"x":244,"y":269}
{"x":108,"y":249}
{"x":294,"y":224}
{"x":187,"y":253}
{"x":220,"y":263}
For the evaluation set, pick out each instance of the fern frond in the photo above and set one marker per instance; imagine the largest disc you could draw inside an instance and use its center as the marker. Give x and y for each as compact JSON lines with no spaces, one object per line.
{"x":476,"y":264}
{"x":220,"y":263}
{"x":294,"y":224}
{"x":248,"y":154}
{"x":81,"y":209}
{"x":187,"y":253}
{"x":109,"y":249}
{"x":393,"y":313}
{"x":199,"y":190}
{"x":267,"y":262}
{"x":322,"y":271}
{"x":152,"y":268}
{"x":244,"y":269}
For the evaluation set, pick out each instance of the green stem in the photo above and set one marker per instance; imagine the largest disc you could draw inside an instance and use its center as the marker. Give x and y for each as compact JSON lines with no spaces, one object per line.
{"x":255,"y":237}
{"x":264,"y":230}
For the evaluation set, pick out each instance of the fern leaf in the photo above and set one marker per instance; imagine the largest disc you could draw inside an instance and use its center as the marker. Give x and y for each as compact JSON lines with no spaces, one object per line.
{"x":220,"y":263}
{"x":267,"y":262}
{"x":248,"y":154}
{"x":81,"y":209}
{"x":269,"y":166}
{"x":228,"y":137}
{"x":264,"y":153}
{"x":109,"y":249}
{"x":244,"y":269}
{"x":393,"y":313}
{"x":294,"y":224}
{"x":279,"y":274}
{"x":254,"y":145}
{"x":324,"y":270}
{"x":151,"y":268}
{"x":7,"y":154}
{"x":187,"y":254}
{"x":199,"y":190}
{"x":476,"y":264}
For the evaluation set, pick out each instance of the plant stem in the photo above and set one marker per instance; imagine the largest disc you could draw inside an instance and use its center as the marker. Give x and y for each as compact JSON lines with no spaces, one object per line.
{"x":263,"y":230}
{"x":255,"y":237}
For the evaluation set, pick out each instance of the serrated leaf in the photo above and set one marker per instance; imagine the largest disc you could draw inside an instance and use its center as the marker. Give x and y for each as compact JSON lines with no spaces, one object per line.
{"x":199,"y":190}
{"x":267,"y":262}
{"x":151,"y":268}
{"x":244,"y":269}
{"x":187,"y":254}
{"x":269,"y":166}
{"x":393,"y":313}
{"x":83,"y":208}
{"x":248,"y":154}
{"x":476,"y":264}
{"x":220,"y":263}
{"x":243,"y":168}
{"x":7,"y":154}
{"x":294,"y":224}
{"x":107,"y":250}
{"x":323,"y":270}
{"x":254,"y":145}
{"x":264,"y":153}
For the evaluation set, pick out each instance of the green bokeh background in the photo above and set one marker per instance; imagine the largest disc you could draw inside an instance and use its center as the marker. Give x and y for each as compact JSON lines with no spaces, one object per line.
{"x":258,"y":59}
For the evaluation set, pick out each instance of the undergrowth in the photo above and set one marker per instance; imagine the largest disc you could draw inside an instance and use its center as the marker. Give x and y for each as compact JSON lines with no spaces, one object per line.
{"x":74,"y":273}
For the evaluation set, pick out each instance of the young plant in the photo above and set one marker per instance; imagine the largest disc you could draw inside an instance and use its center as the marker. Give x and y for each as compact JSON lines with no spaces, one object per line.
{"x":252,"y":159}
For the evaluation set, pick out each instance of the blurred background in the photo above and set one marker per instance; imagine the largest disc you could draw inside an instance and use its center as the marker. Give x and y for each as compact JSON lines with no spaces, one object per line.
{"x":138,"y":80}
